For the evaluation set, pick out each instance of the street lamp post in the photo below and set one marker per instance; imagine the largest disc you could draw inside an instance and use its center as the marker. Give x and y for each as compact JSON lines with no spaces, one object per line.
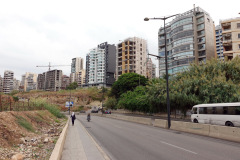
{"x":69,"y":103}
{"x":102,"y":97}
{"x":165,"y":37}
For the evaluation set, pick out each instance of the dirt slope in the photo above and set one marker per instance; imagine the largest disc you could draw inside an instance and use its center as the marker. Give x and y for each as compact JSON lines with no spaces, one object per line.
{"x":31,"y":133}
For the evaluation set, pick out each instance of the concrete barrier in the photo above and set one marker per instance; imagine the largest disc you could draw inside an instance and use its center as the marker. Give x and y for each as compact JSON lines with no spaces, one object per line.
{"x":141,"y":120}
{"x":196,"y":128}
{"x":160,"y":123}
{"x":57,"y":151}
{"x":224,"y":132}
{"x":221,"y":132}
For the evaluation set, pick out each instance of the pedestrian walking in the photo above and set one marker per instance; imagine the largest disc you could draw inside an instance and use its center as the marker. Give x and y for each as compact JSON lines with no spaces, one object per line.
{"x":73,"y":118}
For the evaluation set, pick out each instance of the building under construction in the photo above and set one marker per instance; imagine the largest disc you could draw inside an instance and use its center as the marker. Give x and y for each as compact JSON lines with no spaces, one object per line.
{"x":50,"y":80}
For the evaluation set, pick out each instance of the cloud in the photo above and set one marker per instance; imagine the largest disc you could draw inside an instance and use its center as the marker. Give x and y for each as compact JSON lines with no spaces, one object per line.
{"x":38,"y":32}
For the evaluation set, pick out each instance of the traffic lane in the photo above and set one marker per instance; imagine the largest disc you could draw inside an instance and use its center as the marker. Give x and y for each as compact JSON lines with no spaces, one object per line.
{"x":154,"y":143}
{"x":187,"y":119}
{"x":193,"y":143}
{"x":119,"y":146}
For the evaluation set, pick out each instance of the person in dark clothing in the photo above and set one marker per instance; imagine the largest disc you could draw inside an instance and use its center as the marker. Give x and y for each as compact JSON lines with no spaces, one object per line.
{"x":88,"y":117}
{"x":73,"y":118}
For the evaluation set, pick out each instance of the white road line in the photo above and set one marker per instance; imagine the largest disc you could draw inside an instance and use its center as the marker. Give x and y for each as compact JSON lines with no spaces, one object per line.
{"x":178,"y":147}
{"x":117,"y":126}
{"x":105,"y":156}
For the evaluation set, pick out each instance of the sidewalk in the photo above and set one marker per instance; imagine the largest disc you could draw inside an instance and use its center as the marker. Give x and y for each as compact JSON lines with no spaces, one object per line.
{"x":79,"y":145}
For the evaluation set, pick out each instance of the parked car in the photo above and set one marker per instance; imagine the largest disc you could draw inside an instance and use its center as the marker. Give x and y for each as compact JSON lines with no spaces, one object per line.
{"x":94,"y":111}
{"x":107,"y":112}
{"x":82,"y":111}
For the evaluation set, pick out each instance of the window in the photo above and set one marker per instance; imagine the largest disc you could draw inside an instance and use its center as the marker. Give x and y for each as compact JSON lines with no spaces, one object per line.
{"x":238,"y":35}
{"x":238,"y":25}
{"x":203,"y":110}
{"x":194,"y":110}
{"x":201,"y":46}
{"x":238,"y":46}
{"x":225,"y":110}
{"x":199,"y":20}
{"x":201,"y":26}
{"x":200,"y":33}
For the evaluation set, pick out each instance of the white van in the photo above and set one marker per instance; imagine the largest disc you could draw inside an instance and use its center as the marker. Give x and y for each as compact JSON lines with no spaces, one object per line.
{"x":227,"y":114}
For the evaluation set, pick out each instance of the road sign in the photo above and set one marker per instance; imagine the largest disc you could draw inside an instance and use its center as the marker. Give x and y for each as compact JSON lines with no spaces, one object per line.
{"x":69,"y":104}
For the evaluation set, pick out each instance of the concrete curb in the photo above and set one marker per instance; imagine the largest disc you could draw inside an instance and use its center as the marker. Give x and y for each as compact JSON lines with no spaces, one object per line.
{"x":105,"y":156}
{"x":57,"y":151}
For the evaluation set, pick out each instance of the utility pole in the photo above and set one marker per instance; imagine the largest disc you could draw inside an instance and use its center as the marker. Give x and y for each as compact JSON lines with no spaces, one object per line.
{"x":69,"y":102}
{"x":102,"y":98}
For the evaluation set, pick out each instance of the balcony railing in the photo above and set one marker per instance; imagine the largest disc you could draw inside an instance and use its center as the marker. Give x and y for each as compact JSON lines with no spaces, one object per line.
{"x":227,"y":35}
{"x":226,"y":24}
{"x":227,"y":43}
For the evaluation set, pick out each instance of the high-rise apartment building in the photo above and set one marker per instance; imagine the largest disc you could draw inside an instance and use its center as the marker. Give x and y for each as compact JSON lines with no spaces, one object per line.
{"x":77,"y":64}
{"x":77,"y":71}
{"x":8,"y":81}
{"x":231,"y":37}
{"x":81,"y":77}
{"x":50,"y":81}
{"x":153,"y":71}
{"x":65,"y":81}
{"x":219,"y":45}
{"x":16,"y":84}
{"x":29,"y":81}
{"x":101,"y":65}
{"x":149,"y":68}
{"x":190,"y":38}
{"x":131,"y":56}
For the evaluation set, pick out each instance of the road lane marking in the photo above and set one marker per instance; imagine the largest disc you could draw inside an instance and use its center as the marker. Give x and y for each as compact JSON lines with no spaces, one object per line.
{"x":117,"y":126}
{"x":105,"y":156}
{"x":178,"y":147}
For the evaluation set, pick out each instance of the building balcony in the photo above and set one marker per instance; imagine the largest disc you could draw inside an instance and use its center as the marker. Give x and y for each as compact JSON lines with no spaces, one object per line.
{"x":227,"y":35}
{"x":227,"y":43}
{"x":162,"y":44}
{"x":226,"y":25}
{"x":228,"y":53}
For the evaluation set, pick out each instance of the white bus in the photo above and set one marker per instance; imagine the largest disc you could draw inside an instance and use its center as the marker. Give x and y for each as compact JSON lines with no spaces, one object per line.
{"x":227,"y":114}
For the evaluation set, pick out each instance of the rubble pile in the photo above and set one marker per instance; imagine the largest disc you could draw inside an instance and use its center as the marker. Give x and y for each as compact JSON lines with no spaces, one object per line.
{"x":18,"y":143}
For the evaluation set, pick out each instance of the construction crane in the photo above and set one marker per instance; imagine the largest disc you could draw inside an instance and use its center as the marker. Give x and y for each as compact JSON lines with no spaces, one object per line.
{"x":49,"y":66}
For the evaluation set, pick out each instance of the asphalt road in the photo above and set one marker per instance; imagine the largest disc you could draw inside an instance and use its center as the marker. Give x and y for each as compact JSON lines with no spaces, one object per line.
{"x":123,"y":140}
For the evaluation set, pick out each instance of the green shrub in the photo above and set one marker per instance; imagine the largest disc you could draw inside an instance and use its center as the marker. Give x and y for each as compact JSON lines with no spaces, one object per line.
{"x":39,"y":103}
{"x":24,"y":123}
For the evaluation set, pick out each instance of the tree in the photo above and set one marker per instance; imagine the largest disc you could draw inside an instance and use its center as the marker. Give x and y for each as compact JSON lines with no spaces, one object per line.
{"x":213,"y":82}
{"x":111,"y":103}
{"x":156,"y":94}
{"x":127,"y":82}
{"x":136,"y":100}
{"x":72,"y":86}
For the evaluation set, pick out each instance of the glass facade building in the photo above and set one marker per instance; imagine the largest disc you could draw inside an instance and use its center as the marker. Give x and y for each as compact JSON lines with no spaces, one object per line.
{"x":190,"y":39}
{"x":219,"y":45}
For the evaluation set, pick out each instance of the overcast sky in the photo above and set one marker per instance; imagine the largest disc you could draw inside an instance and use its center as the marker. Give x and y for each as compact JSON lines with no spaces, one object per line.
{"x":38,"y":32}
